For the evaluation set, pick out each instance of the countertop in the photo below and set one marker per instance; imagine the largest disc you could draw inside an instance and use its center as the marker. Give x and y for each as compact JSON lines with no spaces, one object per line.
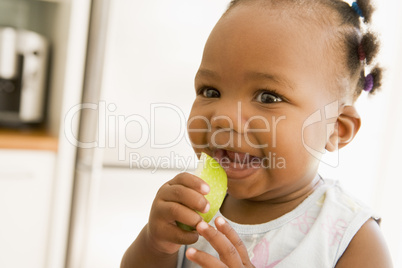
{"x":27,"y":139}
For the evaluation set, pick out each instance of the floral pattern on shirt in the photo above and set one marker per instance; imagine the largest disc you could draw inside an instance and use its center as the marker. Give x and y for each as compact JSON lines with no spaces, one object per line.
{"x":304,"y":222}
{"x":261,"y":255}
{"x":335,"y":228}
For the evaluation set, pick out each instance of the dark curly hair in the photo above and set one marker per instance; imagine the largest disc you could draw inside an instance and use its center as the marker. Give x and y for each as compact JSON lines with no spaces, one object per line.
{"x":358,"y":44}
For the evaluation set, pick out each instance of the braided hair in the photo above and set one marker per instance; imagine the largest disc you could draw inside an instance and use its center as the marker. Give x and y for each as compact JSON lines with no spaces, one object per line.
{"x":357,"y":42}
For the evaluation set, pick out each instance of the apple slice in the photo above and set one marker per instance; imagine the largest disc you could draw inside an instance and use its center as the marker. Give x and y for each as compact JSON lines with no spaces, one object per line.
{"x":209,"y":170}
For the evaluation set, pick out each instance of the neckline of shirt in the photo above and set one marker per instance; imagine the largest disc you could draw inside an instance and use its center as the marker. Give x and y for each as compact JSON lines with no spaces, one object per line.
{"x":248,"y":229}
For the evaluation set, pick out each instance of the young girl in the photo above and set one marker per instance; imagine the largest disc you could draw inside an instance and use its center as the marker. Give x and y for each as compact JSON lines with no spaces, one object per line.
{"x":276,"y":87}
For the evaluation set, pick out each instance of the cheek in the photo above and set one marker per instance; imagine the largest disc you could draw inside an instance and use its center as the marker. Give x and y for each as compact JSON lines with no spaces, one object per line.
{"x":315,"y":137}
{"x":198,"y":127}
{"x":299,"y":145}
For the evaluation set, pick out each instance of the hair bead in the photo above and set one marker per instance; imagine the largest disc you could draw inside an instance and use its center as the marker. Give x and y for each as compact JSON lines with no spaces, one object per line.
{"x":360,"y":51}
{"x":369,"y":83}
{"x":357,"y":9}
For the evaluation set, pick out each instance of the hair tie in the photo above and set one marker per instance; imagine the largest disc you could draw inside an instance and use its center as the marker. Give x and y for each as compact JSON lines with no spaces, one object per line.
{"x":360,"y":51}
{"x":357,"y":9}
{"x":369,"y":83}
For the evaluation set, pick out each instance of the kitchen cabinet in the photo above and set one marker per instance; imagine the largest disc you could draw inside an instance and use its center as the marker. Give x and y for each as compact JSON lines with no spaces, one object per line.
{"x":121,"y":211}
{"x":25,"y":203}
{"x":38,"y":182}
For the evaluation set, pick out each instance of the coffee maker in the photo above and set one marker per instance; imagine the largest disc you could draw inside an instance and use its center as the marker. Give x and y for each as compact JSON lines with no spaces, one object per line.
{"x":23,"y":68}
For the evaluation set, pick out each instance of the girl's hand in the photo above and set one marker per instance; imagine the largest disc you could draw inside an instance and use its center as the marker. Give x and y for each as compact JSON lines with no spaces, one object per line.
{"x":176,"y":200}
{"x":225,"y":241}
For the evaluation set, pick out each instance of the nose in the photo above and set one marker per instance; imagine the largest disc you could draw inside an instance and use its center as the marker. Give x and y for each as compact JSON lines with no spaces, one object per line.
{"x":229,"y":117}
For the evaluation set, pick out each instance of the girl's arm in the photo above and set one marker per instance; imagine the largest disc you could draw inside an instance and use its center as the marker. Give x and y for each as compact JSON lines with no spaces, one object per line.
{"x":141,"y":254}
{"x":160,"y":240}
{"x":367,"y":249}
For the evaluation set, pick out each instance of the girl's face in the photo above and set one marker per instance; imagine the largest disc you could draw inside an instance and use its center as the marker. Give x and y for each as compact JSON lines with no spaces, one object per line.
{"x":260,"y":87}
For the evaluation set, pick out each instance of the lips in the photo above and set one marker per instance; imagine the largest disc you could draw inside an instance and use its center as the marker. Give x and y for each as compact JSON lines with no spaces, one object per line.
{"x":237,"y":157}
{"x":237,"y":165}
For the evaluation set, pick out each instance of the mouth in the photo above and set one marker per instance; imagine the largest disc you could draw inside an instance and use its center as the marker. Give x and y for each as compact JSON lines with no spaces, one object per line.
{"x":238,"y":165}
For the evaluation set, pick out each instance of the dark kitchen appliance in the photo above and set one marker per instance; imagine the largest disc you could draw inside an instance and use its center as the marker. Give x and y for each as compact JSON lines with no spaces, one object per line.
{"x":23,"y":68}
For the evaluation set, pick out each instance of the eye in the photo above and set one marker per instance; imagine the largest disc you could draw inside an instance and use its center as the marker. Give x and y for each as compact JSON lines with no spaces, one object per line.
{"x":210,"y":92}
{"x":268,"y":97}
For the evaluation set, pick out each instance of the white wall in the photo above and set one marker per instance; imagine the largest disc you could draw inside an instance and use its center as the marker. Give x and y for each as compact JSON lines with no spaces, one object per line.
{"x":153,"y":52}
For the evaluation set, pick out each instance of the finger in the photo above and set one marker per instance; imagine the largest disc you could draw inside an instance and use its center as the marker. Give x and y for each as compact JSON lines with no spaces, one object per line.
{"x":226,"y":250}
{"x":172,"y":212}
{"x":225,"y":228}
{"x":186,"y":196}
{"x":191,"y":181}
{"x":188,"y":190}
{"x":203,"y":259}
{"x":172,"y":234}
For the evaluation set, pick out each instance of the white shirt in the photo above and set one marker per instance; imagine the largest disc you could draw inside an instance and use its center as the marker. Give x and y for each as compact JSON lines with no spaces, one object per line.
{"x":314,"y":234}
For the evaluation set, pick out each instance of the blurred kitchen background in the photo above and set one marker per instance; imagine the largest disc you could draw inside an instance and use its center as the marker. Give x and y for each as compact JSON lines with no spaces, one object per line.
{"x":94,"y":98}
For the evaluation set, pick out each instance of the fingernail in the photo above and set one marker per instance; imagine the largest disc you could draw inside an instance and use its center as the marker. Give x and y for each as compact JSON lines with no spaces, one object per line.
{"x":220,"y":220}
{"x":191,"y":251}
{"x":203,"y":225}
{"x":205,"y":188}
{"x":206,"y":209}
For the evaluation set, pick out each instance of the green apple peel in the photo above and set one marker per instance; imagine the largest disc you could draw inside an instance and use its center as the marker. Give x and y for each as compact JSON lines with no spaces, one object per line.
{"x":209,"y":170}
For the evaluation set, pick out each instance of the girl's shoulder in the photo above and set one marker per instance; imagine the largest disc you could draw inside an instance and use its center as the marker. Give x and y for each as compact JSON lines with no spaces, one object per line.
{"x":334,"y":197}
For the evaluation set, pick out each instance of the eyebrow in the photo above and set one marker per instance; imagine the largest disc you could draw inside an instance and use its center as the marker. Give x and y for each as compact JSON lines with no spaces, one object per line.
{"x":207,"y":73}
{"x":251,"y":75}
{"x":276,"y":78}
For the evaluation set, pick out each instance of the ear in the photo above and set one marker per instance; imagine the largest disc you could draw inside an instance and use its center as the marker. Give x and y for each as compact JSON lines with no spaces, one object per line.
{"x":346,"y":127}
